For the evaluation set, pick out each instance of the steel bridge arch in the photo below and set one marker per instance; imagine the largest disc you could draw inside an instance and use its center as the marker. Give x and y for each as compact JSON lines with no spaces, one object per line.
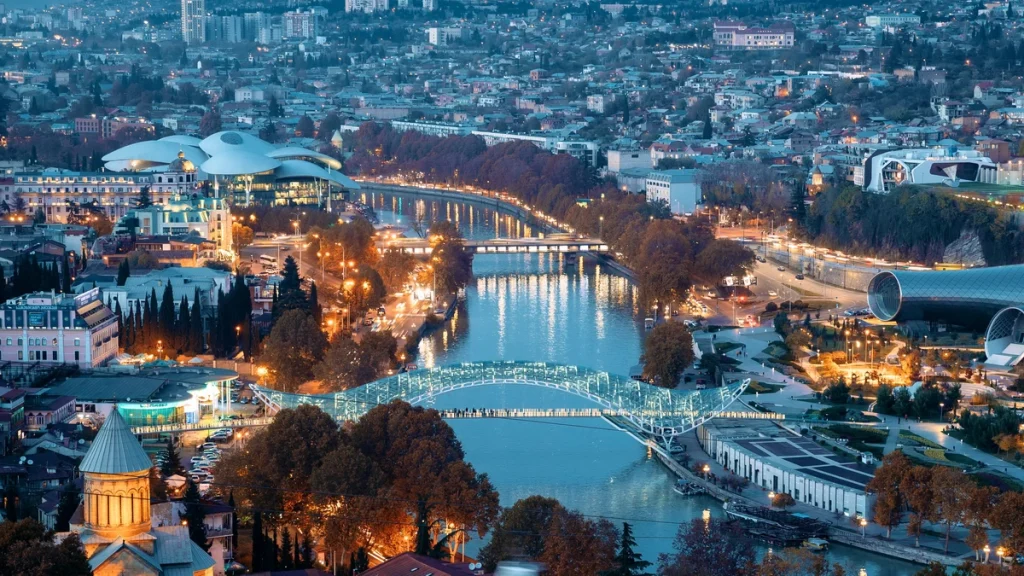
{"x":659,"y":412}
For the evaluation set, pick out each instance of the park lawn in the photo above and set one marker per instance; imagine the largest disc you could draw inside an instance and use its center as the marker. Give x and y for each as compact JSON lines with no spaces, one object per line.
{"x":861,"y":433}
{"x":1002,"y":482}
{"x":908,"y":436}
{"x":756,"y":387}
{"x":725,"y":347}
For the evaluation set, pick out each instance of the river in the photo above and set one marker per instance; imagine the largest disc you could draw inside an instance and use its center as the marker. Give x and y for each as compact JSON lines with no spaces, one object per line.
{"x":533,"y":307}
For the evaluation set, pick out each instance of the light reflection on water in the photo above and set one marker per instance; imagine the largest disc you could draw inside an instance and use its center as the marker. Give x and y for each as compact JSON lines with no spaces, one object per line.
{"x":532,"y":307}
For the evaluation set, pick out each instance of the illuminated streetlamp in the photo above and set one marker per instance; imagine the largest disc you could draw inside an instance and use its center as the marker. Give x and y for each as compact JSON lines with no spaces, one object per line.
{"x":706,"y":470}
{"x":863,"y":526}
{"x":987,"y":550}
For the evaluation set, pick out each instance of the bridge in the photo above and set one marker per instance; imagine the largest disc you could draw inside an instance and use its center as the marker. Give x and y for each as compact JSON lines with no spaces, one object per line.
{"x":204,"y":425}
{"x":652,"y":413}
{"x":421,"y":246}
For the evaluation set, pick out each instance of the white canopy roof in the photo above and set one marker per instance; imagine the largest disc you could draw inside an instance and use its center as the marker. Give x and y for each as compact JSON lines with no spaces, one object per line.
{"x":239,"y":162}
{"x":232,"y":140}
{"x":155,"y":152}
{"x":295,"y":152}
{"x":293,"y":169}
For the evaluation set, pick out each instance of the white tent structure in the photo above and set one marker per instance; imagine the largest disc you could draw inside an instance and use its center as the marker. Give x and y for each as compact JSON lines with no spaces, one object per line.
{"x":237,"y":157}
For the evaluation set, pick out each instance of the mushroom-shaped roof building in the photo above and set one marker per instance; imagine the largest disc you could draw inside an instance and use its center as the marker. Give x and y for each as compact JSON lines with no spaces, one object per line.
{"x":298,"y":169}
{"x":238,"y":163}
{"x":232,"y":140}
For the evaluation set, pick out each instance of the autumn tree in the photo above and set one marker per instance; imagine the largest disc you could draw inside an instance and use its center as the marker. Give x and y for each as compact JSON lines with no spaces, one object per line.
{"x":425,"y":467}
{"x":241,"y":235}
{"x":951,"y":490}
{"x":916,"y":485}
{"x":294,"y":346}
{"x":394,"y":268}
{"x":285,"y":455}
{"x":210,"y":123}
{"x":304,"y":128}
{"x":576,"y":545}
{"x":668,"y":350}
{"x":452,"y":262}
{"x":346,"y":365}
{"x":709,"y":548}
{"x":520,"y":531}
{"x":976,"y":514}
{"x":1007,"y":516}
{"x":783,"y":500}
{"x":723,"y":258}
{"x":889,"y":499}
{"x":28,"y":549}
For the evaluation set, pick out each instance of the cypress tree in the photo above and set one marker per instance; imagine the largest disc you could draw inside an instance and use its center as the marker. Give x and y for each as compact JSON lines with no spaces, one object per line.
{"x":123,"y":272}
{"x":314,"y":304}
{"x":120,"y":325}
{"x":196,"y":326}
{"x":307,"y":551}
{"x":195,"y":515}
{"x":219,"y":343}
{"x":286,"y":550}
{"x":147,"y":325}
{"x":257,"y":543}
{"x":296,"y":560}
{"x":182,"y":326}
{"x":167,"y":314}
{"x":65,"y":279}
{"x":234,"y":520}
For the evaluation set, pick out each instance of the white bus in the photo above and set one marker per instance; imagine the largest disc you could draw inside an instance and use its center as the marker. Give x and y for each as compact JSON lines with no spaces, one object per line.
{"x":267,"y":259}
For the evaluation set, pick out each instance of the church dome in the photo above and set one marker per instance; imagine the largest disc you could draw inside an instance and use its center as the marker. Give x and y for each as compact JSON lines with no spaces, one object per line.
{"x":181,"y":164}
{"x":115,"y":450}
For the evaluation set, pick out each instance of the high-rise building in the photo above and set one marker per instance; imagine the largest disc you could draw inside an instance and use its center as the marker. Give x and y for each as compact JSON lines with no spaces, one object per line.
{"x":429,"y":5}
{"x":193,"y":21}
{"x":299,"y":24}
{"x":254,"y":23}
{"x":367,"y":6}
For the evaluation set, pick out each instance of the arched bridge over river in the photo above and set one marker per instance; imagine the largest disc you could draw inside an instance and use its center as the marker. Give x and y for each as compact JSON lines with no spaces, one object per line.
{"x":656,"y":413}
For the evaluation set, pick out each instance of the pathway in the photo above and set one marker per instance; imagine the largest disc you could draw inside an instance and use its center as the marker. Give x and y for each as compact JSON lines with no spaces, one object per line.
{"x":789,"y":401}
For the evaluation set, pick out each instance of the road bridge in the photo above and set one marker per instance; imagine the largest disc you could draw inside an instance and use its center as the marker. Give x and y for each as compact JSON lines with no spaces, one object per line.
{"x":421,"y":246}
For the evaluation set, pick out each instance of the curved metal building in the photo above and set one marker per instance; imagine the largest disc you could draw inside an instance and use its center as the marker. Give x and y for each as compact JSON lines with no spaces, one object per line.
{"x":974,"y":298}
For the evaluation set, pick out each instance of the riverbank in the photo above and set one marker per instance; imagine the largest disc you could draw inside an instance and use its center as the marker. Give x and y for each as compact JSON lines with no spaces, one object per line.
{"x":837,"y":534}
{"x":466,"y":197}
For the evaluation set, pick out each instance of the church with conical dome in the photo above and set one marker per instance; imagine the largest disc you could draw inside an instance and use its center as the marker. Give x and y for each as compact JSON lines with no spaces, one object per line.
{"x":114,"y":519}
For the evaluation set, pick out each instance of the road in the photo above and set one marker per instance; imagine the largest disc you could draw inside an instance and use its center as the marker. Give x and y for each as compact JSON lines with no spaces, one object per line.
{"x":403,"y":314}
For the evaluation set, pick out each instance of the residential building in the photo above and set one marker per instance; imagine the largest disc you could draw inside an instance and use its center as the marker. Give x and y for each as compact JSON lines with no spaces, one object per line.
{"x":53,"y":328}
{"x":890,"y":20}
{"x":42,"y":411}
{"x":738,"y":36}
{"x":623,"y":159}
{"x":679,"y":189}
{"x":440,"y":36}
{"x":183,"y":281}
{"x":442,"y":129}
{"x":409,"y":563}
{"x":300,"y":24}
{"x":193,"y":21}
{"x":367,"y":6}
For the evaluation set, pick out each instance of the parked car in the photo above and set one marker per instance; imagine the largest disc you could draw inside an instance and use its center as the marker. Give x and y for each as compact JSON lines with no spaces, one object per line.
{"x":799,"y":276}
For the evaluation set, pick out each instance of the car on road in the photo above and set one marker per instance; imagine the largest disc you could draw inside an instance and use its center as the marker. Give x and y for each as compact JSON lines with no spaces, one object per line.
{"x":773,"y":294}
{"x":799,"y":276}
{"x":761,"y":259}
{"x":781,"y":268}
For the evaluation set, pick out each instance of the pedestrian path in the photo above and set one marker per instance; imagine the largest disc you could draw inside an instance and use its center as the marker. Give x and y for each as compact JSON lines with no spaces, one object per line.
{"x":791,"y":400}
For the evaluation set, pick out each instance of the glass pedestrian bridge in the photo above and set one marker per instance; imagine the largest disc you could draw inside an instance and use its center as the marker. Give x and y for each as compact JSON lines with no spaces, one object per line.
{"x":655,"y":411}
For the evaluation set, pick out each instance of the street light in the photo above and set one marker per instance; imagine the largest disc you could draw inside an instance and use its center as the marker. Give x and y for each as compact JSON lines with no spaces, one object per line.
{"x":1000,"y":552}
{"x":706,"y":470}
{"x":986,"y":550}
{"x":863,"y":526}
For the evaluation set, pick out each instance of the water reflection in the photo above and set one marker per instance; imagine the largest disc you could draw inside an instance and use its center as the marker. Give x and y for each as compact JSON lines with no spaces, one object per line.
{"x":534,"y":307}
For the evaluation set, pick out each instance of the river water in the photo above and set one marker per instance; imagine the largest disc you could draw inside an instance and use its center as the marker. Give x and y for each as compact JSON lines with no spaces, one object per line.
{"x":533,"y":307}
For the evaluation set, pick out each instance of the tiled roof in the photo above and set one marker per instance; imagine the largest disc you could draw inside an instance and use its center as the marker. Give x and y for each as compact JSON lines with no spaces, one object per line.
{"x":115,"y":451}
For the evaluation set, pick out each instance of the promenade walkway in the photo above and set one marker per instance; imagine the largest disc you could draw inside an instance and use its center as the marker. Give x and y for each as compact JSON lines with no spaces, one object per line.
{"x":791,"y":400}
